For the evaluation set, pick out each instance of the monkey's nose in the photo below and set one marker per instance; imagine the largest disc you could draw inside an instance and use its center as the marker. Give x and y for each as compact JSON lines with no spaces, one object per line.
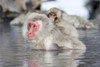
{"x":30,"y":30}
{"x":30,"y":35}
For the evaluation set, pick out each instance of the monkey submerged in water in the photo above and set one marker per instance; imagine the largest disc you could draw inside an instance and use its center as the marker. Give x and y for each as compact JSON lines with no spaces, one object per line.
{"x":42,"y":34}
{"x":57,"y":16}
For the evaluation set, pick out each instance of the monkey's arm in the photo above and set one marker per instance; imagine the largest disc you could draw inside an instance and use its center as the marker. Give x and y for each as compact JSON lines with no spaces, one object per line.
{"x":20,"y":19}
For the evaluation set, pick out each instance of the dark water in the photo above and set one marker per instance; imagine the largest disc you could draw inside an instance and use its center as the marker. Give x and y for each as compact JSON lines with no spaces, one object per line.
{"x":14,"y":51}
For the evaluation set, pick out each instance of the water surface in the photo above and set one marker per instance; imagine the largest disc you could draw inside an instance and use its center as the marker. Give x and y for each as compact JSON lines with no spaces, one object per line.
{"x":14,"y":51}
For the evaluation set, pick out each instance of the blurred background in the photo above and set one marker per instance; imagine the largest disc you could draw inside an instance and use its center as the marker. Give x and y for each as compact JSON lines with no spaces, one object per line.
{"x":87,"y":9}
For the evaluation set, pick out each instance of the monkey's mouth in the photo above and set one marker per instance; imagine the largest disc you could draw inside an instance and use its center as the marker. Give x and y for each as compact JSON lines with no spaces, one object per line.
{"x":30,"y":36}
{"x":51,"y":18}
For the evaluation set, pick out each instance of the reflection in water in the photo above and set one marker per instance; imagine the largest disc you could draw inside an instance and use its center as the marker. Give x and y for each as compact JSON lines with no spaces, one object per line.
{"x":14,"y":52}
{"x":12,"y":46}
{"x":68,"y":58}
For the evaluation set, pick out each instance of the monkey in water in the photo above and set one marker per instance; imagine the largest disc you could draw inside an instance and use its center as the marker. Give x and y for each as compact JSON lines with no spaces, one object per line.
{"x":67,"y":28}
{"x":42,"y":34}
{"x":57,"y":16}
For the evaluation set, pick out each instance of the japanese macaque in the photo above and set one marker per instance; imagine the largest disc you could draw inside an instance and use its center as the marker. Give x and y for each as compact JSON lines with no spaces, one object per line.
{"x":57,"y":16}
{"x":19,"y":5}
{"x":42,"y":34}
{"x":13,"y":5}
{"x":64,"y":26}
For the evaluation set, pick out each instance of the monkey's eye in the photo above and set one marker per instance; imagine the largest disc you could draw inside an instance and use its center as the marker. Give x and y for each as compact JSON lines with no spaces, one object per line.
{"x":29,"y":25}
{"x":34,"y":26}
{"x":50,"y":13}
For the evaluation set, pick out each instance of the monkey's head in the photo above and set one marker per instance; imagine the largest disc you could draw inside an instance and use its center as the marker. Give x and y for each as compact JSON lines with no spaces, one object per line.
{"x":54,"y":14}
{"x":36,"y":27}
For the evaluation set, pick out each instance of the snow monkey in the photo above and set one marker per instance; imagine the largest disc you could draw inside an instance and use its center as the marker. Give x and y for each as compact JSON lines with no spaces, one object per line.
{"x":43,"y":34}
{"x":57,"y":16}
{"x":19,"y":5}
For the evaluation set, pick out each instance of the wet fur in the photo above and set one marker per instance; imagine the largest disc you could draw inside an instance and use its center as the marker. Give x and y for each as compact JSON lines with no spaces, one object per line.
{"x":50,"y":37}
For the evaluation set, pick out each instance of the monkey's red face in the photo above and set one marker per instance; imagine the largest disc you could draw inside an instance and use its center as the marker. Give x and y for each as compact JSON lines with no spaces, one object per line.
{"x":32,"y":27}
